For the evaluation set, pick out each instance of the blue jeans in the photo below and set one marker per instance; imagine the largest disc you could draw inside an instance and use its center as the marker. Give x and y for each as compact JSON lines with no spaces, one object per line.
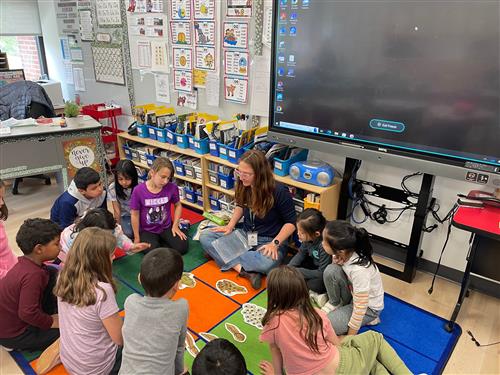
{"x":127,"y":226}
{"x":251,"y":261}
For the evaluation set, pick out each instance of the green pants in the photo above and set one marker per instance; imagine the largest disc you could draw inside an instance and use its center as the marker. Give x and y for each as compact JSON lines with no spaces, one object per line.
{"x":369,"y":353}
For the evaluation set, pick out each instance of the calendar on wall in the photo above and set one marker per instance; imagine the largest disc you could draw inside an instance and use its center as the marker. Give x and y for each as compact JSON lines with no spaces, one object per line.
{"x":108,"y":63}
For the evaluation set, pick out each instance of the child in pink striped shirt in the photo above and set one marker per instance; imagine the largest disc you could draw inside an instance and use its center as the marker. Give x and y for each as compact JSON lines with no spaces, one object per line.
{"x":7,"y":257}
{"x":352,"y":281}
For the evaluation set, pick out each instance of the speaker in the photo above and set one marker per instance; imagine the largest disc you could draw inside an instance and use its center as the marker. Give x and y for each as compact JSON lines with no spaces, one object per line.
{"x":312,"y":172}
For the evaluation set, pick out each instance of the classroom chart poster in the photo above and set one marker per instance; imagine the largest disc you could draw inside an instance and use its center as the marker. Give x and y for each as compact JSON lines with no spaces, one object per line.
{"x":145,"y":6}
{"x":86,"y":27}
{"x":236,"y":62}
{"x":206,"y":58}
{"x":159,"y":56}
{"x":236,"y":89}
{"x":268,"y":26}
{"x":204,"y":33}
{"x":188,"y":99}
{"x":183,"y":58}
{"x":147,"y":25}
{"x":180,"y":32}
{"x":239,"y":8}
{"x":108,"y":64}
{"x":235,"y":35}
{"x":181,"y":9}
{"x":144,"y":54}
{"x":162,"y":85}
{"x":183,"y":80}
{"x":108,"y":12}
{"x":204,"y":9}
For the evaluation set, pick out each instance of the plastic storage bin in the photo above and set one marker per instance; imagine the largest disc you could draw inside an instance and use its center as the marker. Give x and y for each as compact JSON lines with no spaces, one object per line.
{"x":152,"y":133}
{"x":199,"y":200}
{"x":191,"y":195}
{"x":201,"y":146}
{"x":213,"y":147}
{"x":226,"y":181}
{"x":189,"y":171}
{"x":214,"y":203}
{"x":213,"y":177}
{"x":179,"y":167}
{"x":142,"y":131}
{"x":171,"y":136}
{"x":127,"y":152}
{"x":197,"y":173}
{"x":150,"y":159}
{"x":182,"y":140}
{"x":161,"y":135}
{"x":282,"y":167}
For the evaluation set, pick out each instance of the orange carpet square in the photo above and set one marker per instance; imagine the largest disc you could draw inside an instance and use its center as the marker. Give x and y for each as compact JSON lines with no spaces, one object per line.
{"x":210,"y":273}
{"x":58,"y":370}
{"x":206,"y":307}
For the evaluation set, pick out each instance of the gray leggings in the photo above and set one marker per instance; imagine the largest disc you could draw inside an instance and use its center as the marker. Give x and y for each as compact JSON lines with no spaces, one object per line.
{"x":339,"y":294}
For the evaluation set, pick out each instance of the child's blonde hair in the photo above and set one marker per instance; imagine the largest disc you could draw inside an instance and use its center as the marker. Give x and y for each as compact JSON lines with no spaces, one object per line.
{"x":161,"y":163}
{"x":88,"y":262}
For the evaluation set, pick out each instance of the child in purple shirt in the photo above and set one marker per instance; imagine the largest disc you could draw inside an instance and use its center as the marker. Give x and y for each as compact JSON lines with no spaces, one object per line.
{"x":150,"y":207}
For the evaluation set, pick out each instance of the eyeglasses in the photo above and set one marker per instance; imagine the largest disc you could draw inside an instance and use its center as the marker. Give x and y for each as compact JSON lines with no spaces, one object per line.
{"x":240,"y":174}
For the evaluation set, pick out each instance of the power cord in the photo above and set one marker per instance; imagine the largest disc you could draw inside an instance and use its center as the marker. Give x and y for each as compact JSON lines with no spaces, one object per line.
{"x":477,"y":342}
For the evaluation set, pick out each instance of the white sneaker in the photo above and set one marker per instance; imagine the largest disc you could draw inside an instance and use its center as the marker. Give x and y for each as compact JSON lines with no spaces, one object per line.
{"x":6,"y":349}
{"x":321,"y":300}
{"x":374,"y":322}
{"x":328,"y":307}
{"x":313,"y":296}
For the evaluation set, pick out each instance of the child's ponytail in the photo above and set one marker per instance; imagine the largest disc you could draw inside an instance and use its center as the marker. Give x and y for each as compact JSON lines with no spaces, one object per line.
{"x":363,"y":248}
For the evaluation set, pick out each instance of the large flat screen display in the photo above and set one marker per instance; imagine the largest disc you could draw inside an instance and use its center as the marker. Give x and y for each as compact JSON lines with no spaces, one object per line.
{"x":416,"y":77}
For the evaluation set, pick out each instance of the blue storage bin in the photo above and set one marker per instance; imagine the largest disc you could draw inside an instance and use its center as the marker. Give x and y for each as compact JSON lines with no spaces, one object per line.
{"x":150,"y":159}
{"x":190,"y":141}
{"x":191,"y":195}
{"x":127,"y":152}
{"x":282,"y":167}
{"x":142,"y":131}
{"x":214,"y":203}
{"x":171,"y":136}
{"x":213,"y":177}
{"x":223,"y":151}
{"x":199,"y":200}
{"x":179,"y":168}
{"x":214,"y":148}
{"x":201,"y":146}
{"x":152,"y":132}
{"x":161,"y":135}
{"x":182,"y":140}
{"x":226,"y":181}
{"x":227,"y":152}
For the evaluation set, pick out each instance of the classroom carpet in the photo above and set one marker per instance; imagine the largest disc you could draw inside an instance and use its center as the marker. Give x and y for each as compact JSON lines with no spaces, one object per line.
{"x":224,"y":305}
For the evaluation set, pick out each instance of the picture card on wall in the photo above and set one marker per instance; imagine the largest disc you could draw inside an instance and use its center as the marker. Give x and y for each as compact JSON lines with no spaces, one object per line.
{"x":162,"y":88}
{"x":188,"y":100}
{"x":159,"y":56}
{"x":183,"y":58}
{"x":236,"y":35}
{"x":206,"y":58}
{"x":181,"y":9}
{"x":183,"y":80}
{"x":239,"y":8}
{"x":204,"y":33}
{"x":236,"y":62}
{"x":180,"y":32}
{"x":204,"y":9}
{"x":235,"y":89}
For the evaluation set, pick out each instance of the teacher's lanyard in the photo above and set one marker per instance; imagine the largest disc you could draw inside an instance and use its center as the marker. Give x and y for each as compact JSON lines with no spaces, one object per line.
{"x":252,"y":220}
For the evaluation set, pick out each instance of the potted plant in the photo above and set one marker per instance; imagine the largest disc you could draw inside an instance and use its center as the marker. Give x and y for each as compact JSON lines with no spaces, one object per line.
{"x":71,"y":109}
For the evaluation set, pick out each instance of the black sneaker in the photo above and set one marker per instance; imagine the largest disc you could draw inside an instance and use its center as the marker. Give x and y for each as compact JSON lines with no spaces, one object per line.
{"x":254,"y":277}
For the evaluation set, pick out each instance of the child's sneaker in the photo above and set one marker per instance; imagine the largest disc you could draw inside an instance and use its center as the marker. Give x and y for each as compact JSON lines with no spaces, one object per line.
{"x":328,"y":307}
{"x":6,"y":349}
{"x":318,"y":299}
{"x":374,"y":322}
{"x":49,"y":358}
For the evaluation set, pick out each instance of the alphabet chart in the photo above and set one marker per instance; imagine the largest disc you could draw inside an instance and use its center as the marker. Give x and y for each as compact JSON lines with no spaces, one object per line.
{"x":236,"y":62}
{"x":204,"y":33}
{"x":206,"y":58}
{"x":181,"y":32}
{"x":235,"y":89}
{"x":183,"y":58}
{"x":204,"y":9}
{"x":181,"y":9}
{"x":235,"y":34}
{"x":183,"y":80}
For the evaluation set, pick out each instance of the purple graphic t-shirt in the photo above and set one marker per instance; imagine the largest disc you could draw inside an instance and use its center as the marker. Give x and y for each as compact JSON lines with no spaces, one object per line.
{"x":154,"y":209}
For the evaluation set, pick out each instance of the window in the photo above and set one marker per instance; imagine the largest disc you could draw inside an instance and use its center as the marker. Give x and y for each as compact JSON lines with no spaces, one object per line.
{"x":25,"y":52}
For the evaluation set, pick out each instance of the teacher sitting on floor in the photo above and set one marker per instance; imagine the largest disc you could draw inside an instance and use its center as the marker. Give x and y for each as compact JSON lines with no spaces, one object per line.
{"x":269,"y":219}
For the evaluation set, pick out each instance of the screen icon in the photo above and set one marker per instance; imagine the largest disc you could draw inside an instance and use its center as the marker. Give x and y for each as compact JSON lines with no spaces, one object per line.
{"x":281,"y":57}
{"x":291,"y":58}
{"x":283,"y":2}
{"x":293,"y":30}
{"x":295,"y":2}
{"x":283,"y":16}
{"x":281,"y":71}
{"x":282,"y":44}
{"x":291,"y":72}
{"x":282,"y":30}
{"x":279,"y":97}
{"x":279,"y":108}
{"x":279,"y":85}
{"x":305,"y":3}
{"x":293,"y":16}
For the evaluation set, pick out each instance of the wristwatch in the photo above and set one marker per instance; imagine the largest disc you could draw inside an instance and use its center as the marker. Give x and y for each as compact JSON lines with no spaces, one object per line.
{"x":276,"y":242}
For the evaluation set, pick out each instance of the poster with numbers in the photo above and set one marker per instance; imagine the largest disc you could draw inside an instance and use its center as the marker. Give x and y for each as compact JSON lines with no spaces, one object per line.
{"x":236,"y":62}
{"x":180,"y":32}
{"x":204,"y":33}
{"x":204,"y":9}
{"x":183,"y":58}
{"x":183,"y":80}
{"x":108,"y":13}
{"x":181,"y":9}
{"x":206,"y":58}
{"x":236,"y":89}
{"x":235,"y":35}
{"x":108,"y":63}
